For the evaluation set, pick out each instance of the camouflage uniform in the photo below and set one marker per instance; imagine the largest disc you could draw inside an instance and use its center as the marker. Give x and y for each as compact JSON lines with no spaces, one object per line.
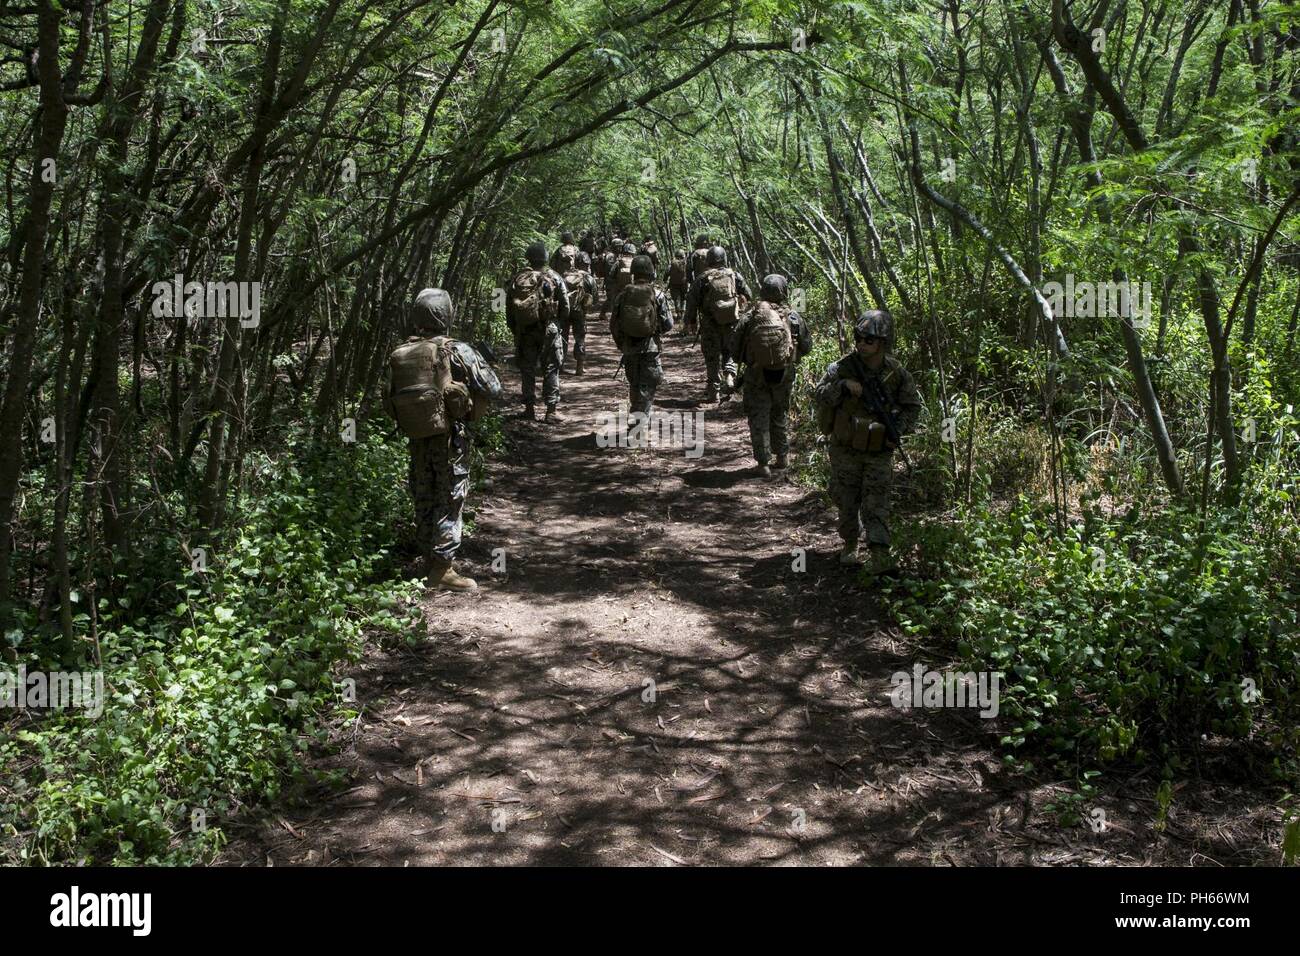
{"x":714,"y":338}
{"x":641,"y":356}
{"x":860,"y":480}
{"x":438,"y":476}
{"x":767,"y":391}
{"x":540,"y":344}
{"x":575,"y":316}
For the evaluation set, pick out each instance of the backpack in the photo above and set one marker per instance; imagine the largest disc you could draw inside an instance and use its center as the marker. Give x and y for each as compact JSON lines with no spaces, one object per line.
{"x":768,"y":344}
{"x":567,"y":256}
{"x":637,"y":316}
{"x":721,"y":296}
{"x":420,"y":372}
{"x":622,"y":274}
{"x":527,"y":303}
{"x":677,"y":273}
{"x":650,"y":249}
{"x":573,"y":279}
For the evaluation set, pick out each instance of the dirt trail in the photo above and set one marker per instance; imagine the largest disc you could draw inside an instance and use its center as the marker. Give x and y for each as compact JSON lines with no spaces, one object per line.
{"x":770,"y":738}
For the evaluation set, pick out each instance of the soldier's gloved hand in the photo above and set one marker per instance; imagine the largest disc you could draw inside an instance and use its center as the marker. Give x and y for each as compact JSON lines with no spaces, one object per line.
{"x":854,"y":387}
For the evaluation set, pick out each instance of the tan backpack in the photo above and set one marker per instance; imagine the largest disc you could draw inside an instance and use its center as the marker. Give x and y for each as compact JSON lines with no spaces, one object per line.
{"x":768,"y":344}
{"x":699,"y":262}
{"x":622,"y":273}
{"x":720,"y":297}
{"x":527,"y":303}
{"x":420,"y":371}
{"x":637,"y":316}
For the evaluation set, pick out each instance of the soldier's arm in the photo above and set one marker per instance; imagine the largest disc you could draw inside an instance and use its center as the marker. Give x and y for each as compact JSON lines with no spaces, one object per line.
{"x":741,"y":287}
{"x":665,"y":312}
{"x":736,"y":342}
{"x":693,"y":299}
{"x":909,"y":402}
{"x":830,"y":390}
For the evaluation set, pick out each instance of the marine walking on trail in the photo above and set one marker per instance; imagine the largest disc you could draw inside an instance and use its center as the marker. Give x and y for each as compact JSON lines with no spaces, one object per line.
{"x":866,"y":403}
{"x":714,"y":303}
{"x":536,"y":300}
{"x":436,"y":386}
{"x":639,"y":318}
{"x":770,"y":339}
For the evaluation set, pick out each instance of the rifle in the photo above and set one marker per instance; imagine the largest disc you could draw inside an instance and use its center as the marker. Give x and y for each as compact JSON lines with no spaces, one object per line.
{"x":874,"y":392}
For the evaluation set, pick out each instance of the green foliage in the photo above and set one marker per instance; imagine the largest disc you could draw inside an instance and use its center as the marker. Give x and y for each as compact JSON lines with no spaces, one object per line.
{"x":210,"y":700}
{"x":1120,"y":637}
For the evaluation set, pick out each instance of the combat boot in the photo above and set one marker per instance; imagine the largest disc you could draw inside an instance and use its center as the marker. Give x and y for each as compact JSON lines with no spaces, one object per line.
{"x":710,"y":395}
{"x":849,"y":554}
{"x":577,"y":365}
{"x":763,"y":470}
{"x":443,"y":577}
{"x":882,"y":561}
{"x":782,"y":461}
{"x":552,"y":416}
{"x":529,"y":413}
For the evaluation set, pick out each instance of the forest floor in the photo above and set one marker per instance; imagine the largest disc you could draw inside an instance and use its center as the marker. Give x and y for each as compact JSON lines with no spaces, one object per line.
{"x":522,"y":730}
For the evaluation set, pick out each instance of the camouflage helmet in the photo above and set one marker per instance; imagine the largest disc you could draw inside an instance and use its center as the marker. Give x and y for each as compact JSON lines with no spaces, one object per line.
{"x":432,"y":312}
{"x":701,"y":241}
{"x":772,"y":288}
{"x":874,"y":324}
{"x":566,"y":238}
{"x":535,"y":254}
{"x":629,"y":249}
{"x":717,"y":256}
{"x":679,"y":254}
{"x":643,"y":267}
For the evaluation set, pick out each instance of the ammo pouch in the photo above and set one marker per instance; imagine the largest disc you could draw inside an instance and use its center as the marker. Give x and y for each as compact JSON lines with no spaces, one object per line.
{"x":857,"y":428}
{"x":460,"y":405}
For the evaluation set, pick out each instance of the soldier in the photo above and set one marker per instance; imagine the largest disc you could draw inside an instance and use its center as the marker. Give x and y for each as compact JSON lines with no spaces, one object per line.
{"x":535,"y":302}
{"x":696,"y":263}
{"x":565,"y":256}
{"x":649,"y":248}
{"x":640,"y":315}
{"x":588,"y":244}
{"x":618,"y":277}
{"x":714,"y":302}
{"x":770,"y":339}
{"x":866,"y":402}
{"x":439,"y":471}
{"x":677,"y":284}
{"x":581,"y":286}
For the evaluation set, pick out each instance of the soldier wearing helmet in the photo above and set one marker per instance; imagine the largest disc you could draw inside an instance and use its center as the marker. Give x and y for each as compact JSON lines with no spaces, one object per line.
{"x":716,"y":300}
{"x":866,"y":402}
{"x":536,"y":302}
{"x":770,"y":339}
{"x":438,"y":476}
{"x":639,"y":317}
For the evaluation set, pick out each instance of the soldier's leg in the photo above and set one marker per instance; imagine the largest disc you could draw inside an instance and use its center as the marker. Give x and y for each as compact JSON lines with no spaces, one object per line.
{"x":632,"y":368}
{"x":578,"y":319}
{"x":452,"y":477}
{"x":877,"y":479}
{"x":847,"y":467}
{"x":422,"y":480}
{"x":780,"y":421}
{"x":551,"y":358}
{"x":526,"y":353}
{"x":711,"y":344}
{"x":758,"y":409}
{"x":564,"y":335}
{"x":649,"y":374}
